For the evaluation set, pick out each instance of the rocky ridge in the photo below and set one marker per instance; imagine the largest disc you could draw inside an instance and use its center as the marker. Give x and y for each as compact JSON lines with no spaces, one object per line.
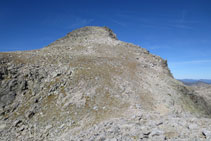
{"x":89,"y":85}
{"x":202,"y":89}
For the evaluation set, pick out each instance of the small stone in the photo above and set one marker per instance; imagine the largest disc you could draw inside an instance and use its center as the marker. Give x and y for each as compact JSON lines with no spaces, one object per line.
{"x":138,"y":106}
{"x":8,"y":98}
{"x":2,"y":126}
{"x":62,"y":126}
{"x":102,"y":139}
{"x":192,"y":126}
{"x":48,"y":127}
{"x":24,"y":85}
{"x":95,"y":108}
{"x":21,"y":128}
{"x":114,"y":139}
{"x":206,"y":134}
{"x":55,"y":74}
{"x":17,"y":123}
{"x":156,"y":132}
{"x":36,"y":100}
{"x":30,"y":114}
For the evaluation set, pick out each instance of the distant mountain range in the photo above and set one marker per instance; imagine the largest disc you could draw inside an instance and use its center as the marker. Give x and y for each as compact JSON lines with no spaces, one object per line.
{"x":195,"y":81}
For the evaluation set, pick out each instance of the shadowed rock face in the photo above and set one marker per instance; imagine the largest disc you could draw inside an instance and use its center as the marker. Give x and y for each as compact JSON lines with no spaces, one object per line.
{"x":89,"y":80}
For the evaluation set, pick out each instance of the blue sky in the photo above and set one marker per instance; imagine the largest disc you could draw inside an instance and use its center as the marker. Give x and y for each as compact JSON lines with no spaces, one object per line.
{"x":176,"y":30}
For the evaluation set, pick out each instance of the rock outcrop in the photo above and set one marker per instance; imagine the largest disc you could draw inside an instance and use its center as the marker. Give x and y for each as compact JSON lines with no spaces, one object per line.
{"x":89,"y":85}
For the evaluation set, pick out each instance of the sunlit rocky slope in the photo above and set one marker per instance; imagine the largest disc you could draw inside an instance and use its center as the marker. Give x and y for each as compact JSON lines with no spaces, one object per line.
{"x":89,"y":85}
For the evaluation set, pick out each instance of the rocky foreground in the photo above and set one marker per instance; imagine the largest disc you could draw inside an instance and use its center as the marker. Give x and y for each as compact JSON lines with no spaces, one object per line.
{"x":89,"y":85}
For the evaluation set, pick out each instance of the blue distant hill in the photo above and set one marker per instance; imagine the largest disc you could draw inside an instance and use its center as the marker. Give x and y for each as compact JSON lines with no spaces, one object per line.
{"x":195,"y":81}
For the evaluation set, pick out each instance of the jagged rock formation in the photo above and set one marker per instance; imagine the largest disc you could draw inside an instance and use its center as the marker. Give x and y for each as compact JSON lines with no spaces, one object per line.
{"x":89,"y":85}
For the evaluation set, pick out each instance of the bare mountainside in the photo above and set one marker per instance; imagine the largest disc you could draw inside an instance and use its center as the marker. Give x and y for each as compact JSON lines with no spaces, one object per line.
{"x":89,"y":85}
{"x":203,"y":89}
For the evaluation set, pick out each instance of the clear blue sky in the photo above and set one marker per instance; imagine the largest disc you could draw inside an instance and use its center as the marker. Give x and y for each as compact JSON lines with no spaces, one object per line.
{"x":176,"y":30}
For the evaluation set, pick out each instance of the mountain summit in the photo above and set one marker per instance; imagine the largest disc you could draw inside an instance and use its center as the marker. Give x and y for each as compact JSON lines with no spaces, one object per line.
{"x":92,"y":31}
{"x":89,"y":85}
{"x":89,"y":34}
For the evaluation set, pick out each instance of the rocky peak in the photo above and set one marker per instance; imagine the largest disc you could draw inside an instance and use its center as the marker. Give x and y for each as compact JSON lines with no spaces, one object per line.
{"x":87,"y":35}
{"x":96,"y":31}
{"x":90,"y":86}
